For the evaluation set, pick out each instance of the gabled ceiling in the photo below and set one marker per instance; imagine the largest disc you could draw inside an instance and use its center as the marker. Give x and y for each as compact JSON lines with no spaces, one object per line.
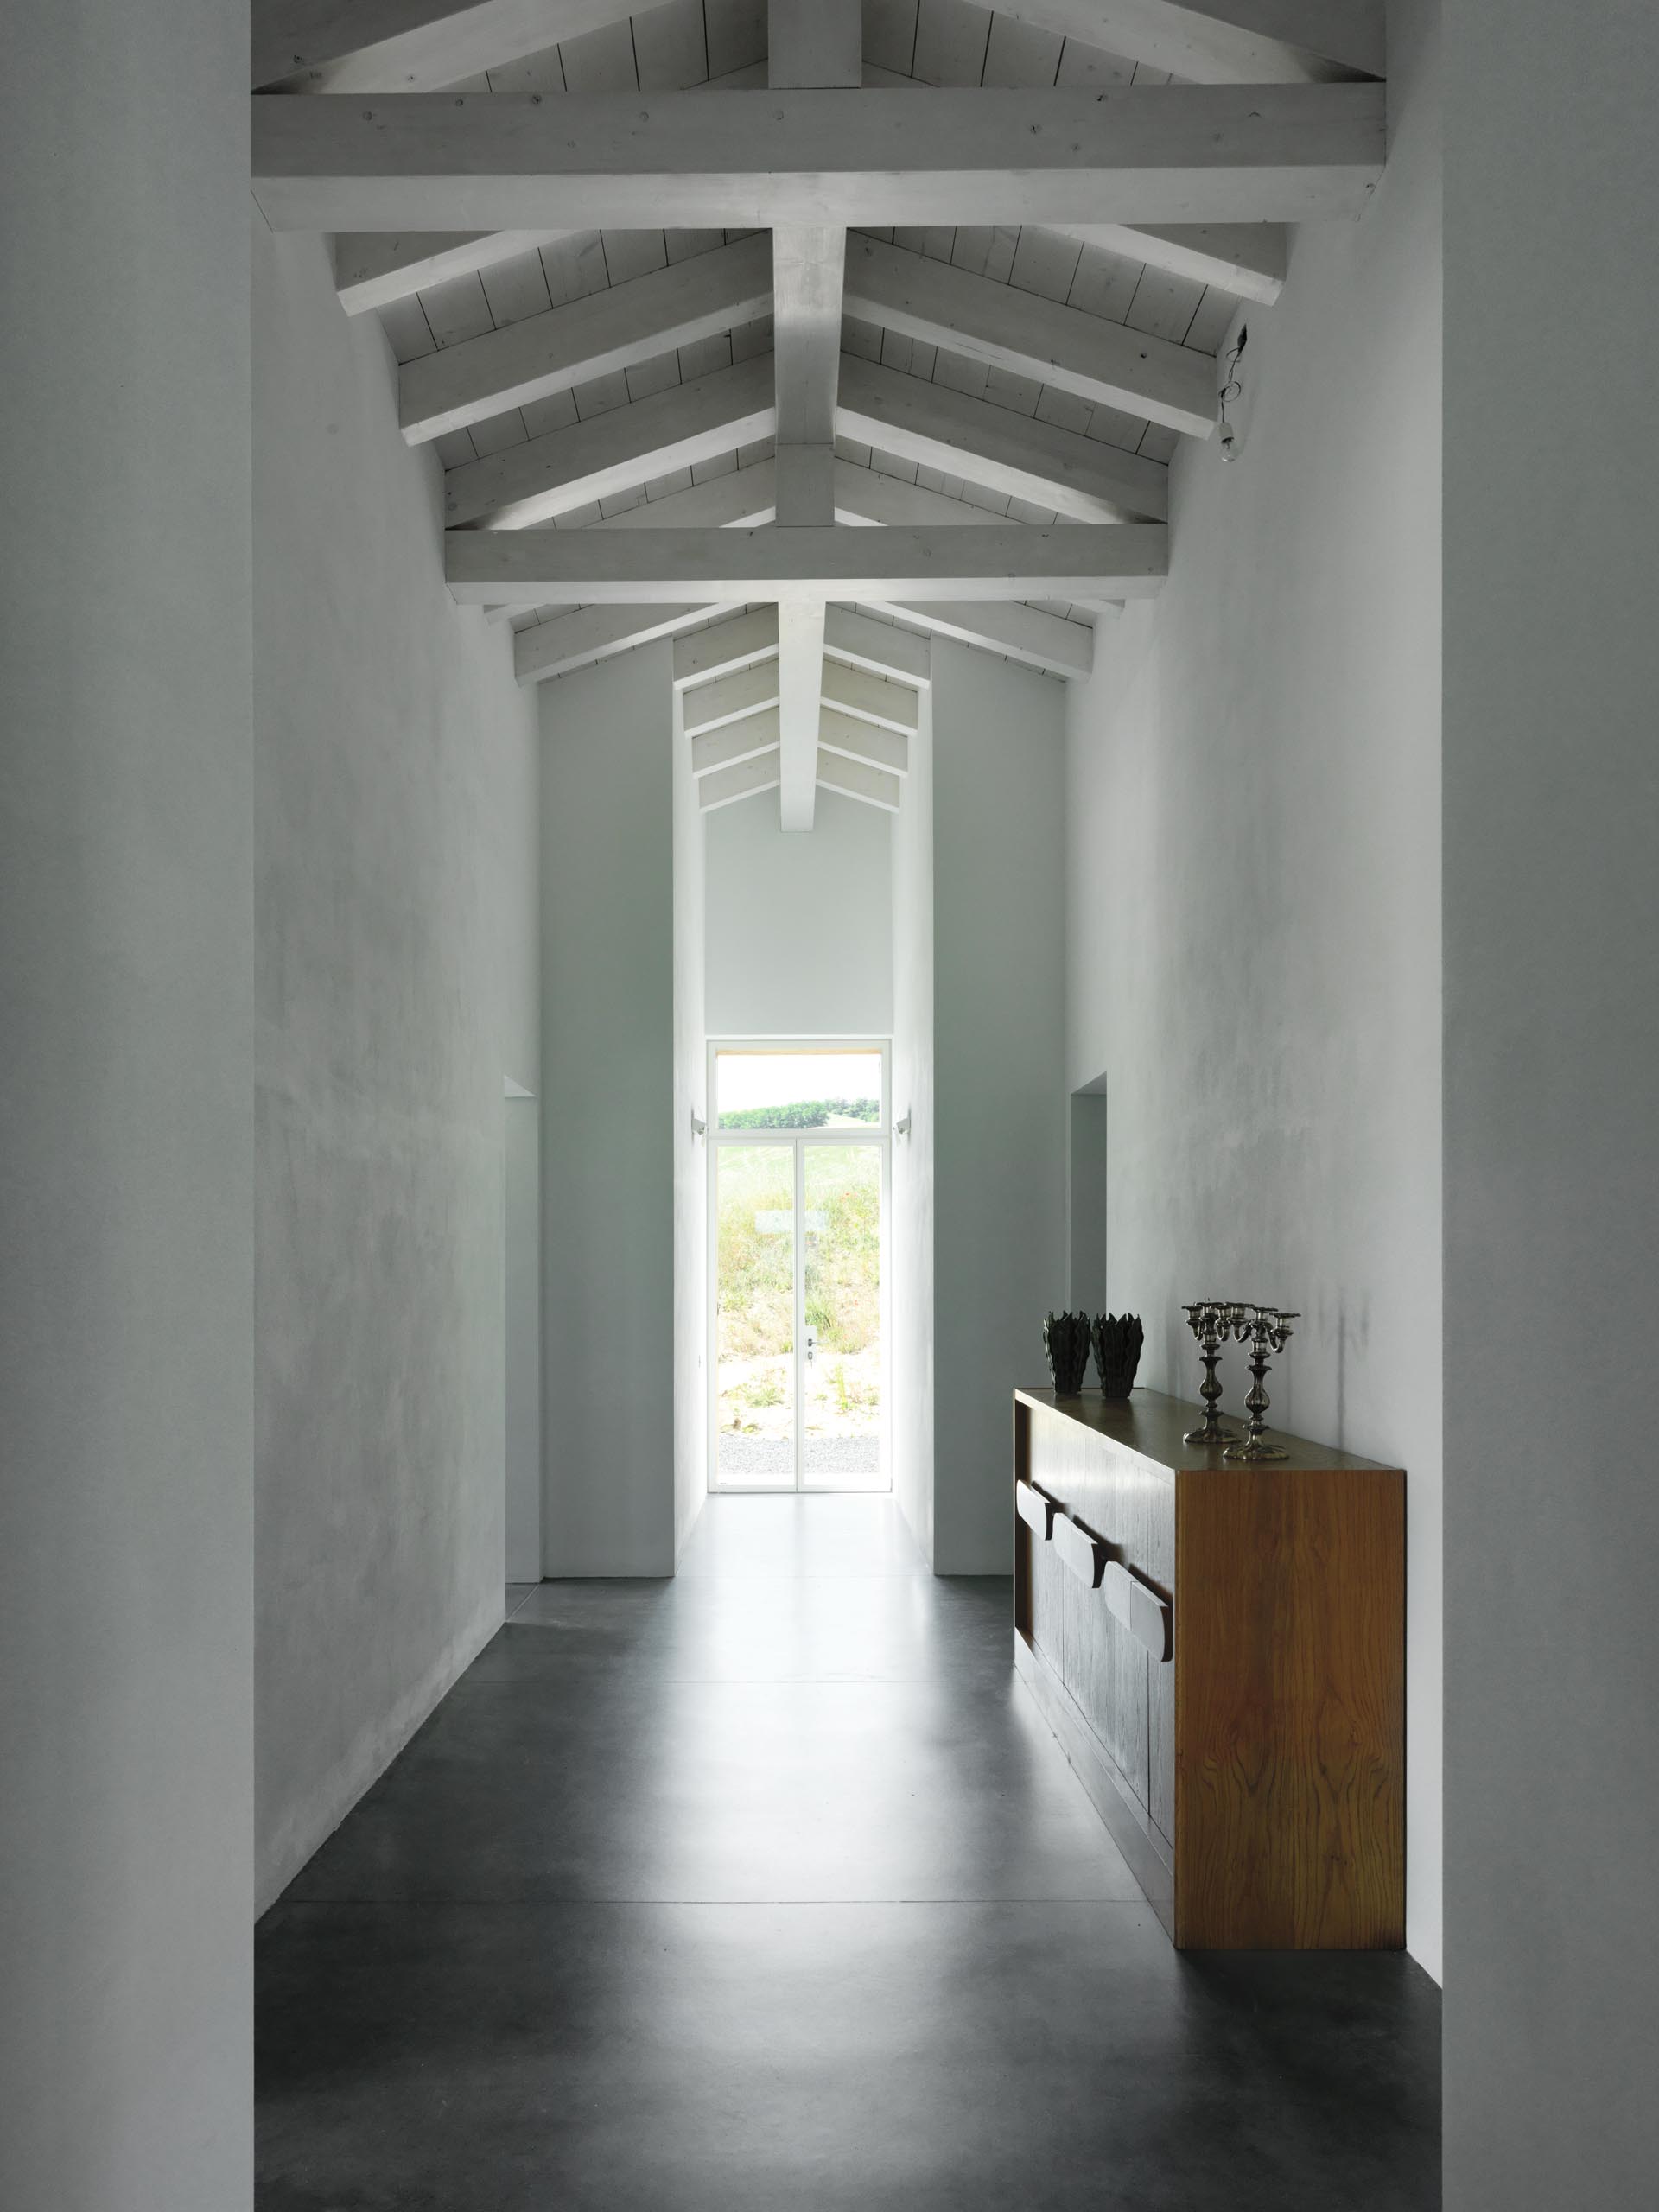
{"x":956,"y":428}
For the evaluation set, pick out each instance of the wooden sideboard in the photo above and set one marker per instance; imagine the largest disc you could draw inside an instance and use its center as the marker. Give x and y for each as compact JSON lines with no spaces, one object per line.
{"x":1221,"y":1652}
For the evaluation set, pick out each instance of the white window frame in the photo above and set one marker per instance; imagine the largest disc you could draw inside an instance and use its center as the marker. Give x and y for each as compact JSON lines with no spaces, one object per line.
{"x":798,"y":1141}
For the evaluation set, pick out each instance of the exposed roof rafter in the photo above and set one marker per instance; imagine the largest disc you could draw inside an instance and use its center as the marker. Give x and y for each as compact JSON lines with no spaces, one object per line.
{"x":409,"y":46}
{"x":603,"y":331}
{"x":1101,"y":361}
{"x":1225,"y":41}
{"x":701,"y":420}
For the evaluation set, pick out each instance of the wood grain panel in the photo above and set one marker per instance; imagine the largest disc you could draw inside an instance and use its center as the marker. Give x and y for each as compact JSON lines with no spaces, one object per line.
{"x":1158,"y":1564}
{"x":1022,"y":1420}
{"x":1102,"y":1667}
{"x":1265,"y":1763}
{"x":1107,"y":1675}
{"x":1289,"y":1709}
{"x":1140,"y":1609}
{"x":1081,"y":1552}
{"x":1049,"y":1580}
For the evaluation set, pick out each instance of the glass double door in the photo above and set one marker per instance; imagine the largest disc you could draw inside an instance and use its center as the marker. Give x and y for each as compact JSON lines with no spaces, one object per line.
{"x":799,"y":1399}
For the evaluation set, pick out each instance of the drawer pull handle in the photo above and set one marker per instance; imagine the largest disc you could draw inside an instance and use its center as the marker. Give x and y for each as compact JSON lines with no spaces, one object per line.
{"x":1139,"y":1608}
{"x":1080,"y":1550}
{"x":1036,"y":1507}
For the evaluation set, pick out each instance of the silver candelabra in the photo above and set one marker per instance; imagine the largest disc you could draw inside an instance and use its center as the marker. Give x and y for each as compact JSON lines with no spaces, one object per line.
{"x":1211,"y":1325}
{"x":1267,"y":1330}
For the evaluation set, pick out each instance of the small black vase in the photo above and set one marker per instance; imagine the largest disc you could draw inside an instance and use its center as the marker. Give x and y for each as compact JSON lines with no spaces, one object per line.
{"x":1065,"y":1338}
{"x":1118,"y":1339}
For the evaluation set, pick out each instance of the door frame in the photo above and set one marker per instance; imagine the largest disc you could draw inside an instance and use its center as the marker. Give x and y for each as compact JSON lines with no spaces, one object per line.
{"x":880,"y":1136}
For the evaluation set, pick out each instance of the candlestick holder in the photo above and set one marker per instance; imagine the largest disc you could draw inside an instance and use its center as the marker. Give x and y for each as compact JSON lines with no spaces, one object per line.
{"x":1265,"y":1329}
{"x":1209,"y":1325}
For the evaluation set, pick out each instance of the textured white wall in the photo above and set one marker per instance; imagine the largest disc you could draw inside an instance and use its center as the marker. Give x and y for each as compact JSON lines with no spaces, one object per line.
{"x":911,"y":1239}
{"x":1552,"y":1060}
{"x":799,"y":928}
{"x":998,"y":1098}
{"x":608,"y":1168}
{"x":395,"y":812}
{"x":126,"y":1152}
{"x":522,"y":1196}
{"x":691,"y":1160}
{"x":1254,"y":879}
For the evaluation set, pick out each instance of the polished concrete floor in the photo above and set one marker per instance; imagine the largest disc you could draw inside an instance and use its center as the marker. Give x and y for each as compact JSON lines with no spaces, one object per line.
{"x":766,"y":1888}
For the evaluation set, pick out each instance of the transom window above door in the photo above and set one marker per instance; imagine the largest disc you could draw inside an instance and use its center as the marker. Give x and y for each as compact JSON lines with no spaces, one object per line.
{"x":799,"y":1088}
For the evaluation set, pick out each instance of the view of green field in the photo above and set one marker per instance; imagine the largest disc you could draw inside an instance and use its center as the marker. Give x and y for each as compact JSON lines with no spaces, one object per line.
{"x":756,"y":1287}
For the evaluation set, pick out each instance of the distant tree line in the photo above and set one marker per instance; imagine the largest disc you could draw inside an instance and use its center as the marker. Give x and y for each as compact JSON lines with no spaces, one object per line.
{"x":804,"y":1114}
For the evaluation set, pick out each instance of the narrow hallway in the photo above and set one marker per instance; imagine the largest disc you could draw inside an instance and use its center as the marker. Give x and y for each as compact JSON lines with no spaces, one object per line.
{"x":767,"y":1887}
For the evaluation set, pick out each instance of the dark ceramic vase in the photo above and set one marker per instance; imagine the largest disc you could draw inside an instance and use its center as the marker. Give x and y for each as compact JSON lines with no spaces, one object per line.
{"x":1118,"y":1338}
{"x":1066,"y":1338}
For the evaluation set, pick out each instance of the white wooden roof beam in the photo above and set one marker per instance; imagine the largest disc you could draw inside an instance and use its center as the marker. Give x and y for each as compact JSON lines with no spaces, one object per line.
{"x":587,"y":634}
{"x":740,"y":497}
{"x":1027,"y":336}
{"x":747,"y":739}
{"x":732,"y":698}
{"x":701,"y":420}
{"x":409,"y":46}
{"x":862,"y":642}
{"x":734,"y":642}
{"x":589,"y":337}
{"x":854,"y":740}
{"x":994,"y":446}
{"x":1225,"y":41}
{"x":375,"y":268}
{"x":855,"y":692}
{"x":725,"y":786}
{"x":1022,"y":633}
{"x":859,"y":779}
{"x":800,"y":657}
{"x":796,"y":566}
{"x":864,"y":497}
{"x":706,"y":649}
{"x":1146,"y":154}
{"x":1248,"y":259}
{"x":812,"y":45}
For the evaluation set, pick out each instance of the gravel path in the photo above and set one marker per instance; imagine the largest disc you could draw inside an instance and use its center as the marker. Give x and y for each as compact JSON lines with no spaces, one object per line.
{"x":771,"y":1459}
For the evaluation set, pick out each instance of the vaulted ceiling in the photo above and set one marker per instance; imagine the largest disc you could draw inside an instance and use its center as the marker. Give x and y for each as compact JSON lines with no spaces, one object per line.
{"x":901,"y":408}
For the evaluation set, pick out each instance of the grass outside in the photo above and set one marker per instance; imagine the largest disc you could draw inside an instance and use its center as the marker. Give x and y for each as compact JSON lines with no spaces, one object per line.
{"x":756,"y":1279}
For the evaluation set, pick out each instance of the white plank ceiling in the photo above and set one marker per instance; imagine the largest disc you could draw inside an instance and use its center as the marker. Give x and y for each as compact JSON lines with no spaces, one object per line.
{"x":690,"y":43}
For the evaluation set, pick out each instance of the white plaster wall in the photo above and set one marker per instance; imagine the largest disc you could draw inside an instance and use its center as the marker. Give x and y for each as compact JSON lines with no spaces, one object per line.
{"x":1551,"y":1059}
{"x":522,"y":1230}
{"x":395,"y":818}
{"x":691,"y":1157}
{"x":999,"y":1097}
{"x":799,"y":928}
{"x":609,"y":1169}
{"x":126,"y":1156}
{"x":1254,"y":879}
{"x":910,"y":1241}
